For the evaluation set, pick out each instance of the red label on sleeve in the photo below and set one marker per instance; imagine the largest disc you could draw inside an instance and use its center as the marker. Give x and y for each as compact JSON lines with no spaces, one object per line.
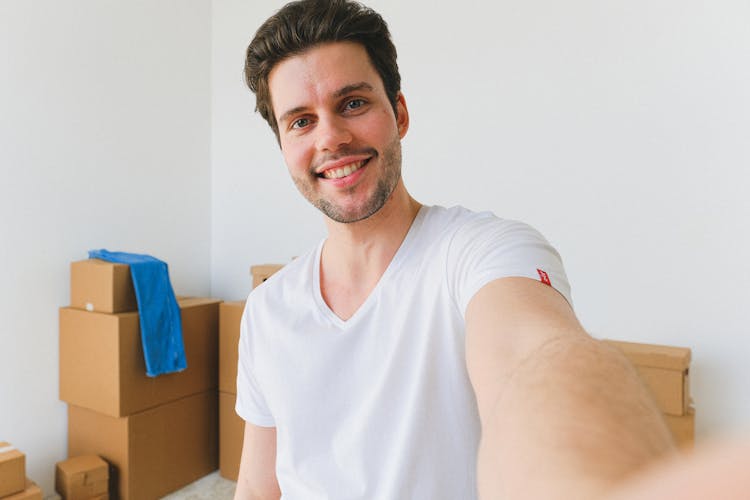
{"x":544,"y":277}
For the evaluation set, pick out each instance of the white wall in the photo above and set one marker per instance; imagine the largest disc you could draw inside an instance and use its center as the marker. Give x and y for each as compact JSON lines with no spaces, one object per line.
{"x":257,"y":216}
{"x":619,"y":129}
{"x":104,"y":142}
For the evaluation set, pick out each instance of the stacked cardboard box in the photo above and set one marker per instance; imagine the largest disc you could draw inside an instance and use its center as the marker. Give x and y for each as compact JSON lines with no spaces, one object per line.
{"x":30,"y":492}
{"x":14,"y":485}
{"x":96,"y":285}
{"x":12,"y":470}
{"x":231,"y":426}
{"x":665,"y":371}
{"x":159,"y":433}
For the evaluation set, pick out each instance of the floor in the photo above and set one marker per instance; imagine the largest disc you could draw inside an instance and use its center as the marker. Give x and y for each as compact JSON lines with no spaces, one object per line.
{"x":211,"y":487}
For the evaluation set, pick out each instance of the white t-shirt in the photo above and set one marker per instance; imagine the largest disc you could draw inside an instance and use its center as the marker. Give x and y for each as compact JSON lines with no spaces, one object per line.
{"x":380,"y":406}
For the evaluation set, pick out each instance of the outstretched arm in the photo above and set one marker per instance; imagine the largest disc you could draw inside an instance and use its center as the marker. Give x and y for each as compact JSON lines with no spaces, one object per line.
{"x":563,"y":415}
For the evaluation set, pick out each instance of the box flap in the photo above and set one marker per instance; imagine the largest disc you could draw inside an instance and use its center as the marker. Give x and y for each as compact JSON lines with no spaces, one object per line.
{"x":93,"y":466}
{"x":185,"y":302}
{"x":265,"y":268}
{"x":7,"y":450}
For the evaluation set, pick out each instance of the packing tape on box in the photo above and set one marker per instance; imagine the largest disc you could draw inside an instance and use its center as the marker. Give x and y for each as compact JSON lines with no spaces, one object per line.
{"x":6,"y":449}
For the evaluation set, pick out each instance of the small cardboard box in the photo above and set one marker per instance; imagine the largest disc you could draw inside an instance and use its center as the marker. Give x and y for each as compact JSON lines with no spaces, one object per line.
{"x":97,"y":285}
{"x":30,"y":492}
{"x":262,"y":272}
{"x":665,"y":370}
{"x":231,"y":436}
{"x":82,"y":478}
{"x":153,"y":452}
{"x":682,"y":428}
{"x":102,"y":366}
{"x":12,"y":469}
{"x":230,"y":316}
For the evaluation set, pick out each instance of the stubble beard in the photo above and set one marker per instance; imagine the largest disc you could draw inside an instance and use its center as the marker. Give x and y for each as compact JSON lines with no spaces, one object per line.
{"x":391,"y":165}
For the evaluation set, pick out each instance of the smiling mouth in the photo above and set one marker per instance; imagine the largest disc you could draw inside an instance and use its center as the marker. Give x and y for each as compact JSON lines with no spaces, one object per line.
{"x":338,"y":173}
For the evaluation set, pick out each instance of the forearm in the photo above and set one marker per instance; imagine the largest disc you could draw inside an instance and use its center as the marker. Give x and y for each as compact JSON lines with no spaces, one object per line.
{"x":572,"y":420}
{"x":257,"y":475}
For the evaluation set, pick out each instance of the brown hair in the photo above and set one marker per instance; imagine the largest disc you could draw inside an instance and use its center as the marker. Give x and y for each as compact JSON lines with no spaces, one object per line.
{"x":303,"y":24}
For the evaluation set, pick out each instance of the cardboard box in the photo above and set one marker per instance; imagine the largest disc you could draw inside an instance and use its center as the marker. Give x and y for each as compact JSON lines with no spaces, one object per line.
{"x":665,"y":370}
{"x":30,"y":492}
{"x":97,"y":285}
{"x":82,"y":477}
{"x":230,"y":316}
{"x":262,"y":272}
{"x":231,"y":436}
{"x":154,"y":452}
{"x":102,"y":366}
{"x":671,"y":388}
{"x":12,"y":469}
{"x":682,"y":428}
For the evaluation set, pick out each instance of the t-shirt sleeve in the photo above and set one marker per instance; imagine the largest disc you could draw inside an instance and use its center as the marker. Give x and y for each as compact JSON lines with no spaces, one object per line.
{"x":251,"y":404}
{"x":488,"y":248}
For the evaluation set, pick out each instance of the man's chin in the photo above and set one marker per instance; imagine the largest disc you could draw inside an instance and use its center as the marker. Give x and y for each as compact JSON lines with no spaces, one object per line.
{"x":366,"y":208}
{"x":348,"y":215}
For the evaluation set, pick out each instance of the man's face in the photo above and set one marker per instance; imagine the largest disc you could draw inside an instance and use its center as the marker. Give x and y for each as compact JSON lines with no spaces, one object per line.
{"x":337,"y":129}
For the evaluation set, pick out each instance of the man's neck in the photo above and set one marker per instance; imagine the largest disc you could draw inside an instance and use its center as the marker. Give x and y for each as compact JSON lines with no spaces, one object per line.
{"x":355,"y":255}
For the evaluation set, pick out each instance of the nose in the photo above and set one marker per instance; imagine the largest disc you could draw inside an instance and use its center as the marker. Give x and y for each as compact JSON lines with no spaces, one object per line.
{"x":332,"y":133}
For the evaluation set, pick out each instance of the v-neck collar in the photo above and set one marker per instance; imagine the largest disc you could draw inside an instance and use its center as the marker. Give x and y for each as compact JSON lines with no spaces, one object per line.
{"x":393,"y":265}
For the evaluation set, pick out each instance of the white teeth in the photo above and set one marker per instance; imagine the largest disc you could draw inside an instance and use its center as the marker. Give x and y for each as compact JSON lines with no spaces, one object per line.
{"x":338,"y":173}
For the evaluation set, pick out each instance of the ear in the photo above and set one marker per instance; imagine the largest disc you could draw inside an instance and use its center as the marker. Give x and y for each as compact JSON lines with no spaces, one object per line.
{"x":402,"y":116}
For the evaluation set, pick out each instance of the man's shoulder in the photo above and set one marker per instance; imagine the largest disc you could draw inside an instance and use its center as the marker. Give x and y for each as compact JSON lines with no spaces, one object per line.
{"x":457,"y":213}
{"x":452,"y":219}
{"x":462,"y":229}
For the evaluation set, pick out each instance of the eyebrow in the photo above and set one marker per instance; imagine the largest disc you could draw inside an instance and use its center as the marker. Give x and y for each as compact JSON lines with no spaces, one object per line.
{"x":289,"y":113}
{"x":347,"y":89}
{"x":354,"y":87}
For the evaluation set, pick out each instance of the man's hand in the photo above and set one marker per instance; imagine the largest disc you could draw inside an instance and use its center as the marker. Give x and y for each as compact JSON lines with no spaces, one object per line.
{"x":563,"y":415}
{"x":713,"y":470}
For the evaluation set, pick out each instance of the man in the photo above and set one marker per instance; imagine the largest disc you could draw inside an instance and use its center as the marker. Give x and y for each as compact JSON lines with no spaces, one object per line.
{"x":370,"y":367}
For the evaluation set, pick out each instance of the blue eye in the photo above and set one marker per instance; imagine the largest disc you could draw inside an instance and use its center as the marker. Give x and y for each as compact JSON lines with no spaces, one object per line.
{"x":355,"y":103}
{"x":301,"y":123}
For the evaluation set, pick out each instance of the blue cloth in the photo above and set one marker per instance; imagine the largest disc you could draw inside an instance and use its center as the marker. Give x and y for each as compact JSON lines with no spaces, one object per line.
{"x":159,"y":314}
